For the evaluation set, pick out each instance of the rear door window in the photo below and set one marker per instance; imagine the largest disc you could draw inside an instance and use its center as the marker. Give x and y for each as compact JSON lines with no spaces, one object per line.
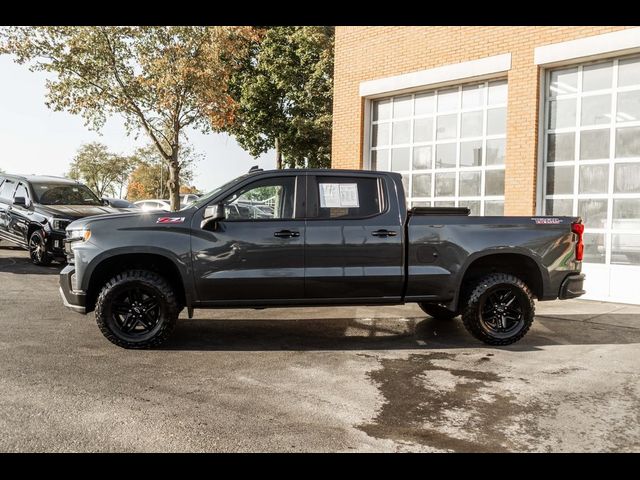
{"x":345,"y":197}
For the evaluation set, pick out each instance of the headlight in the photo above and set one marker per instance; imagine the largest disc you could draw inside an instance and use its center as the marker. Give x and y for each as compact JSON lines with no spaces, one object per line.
{"x":59,"y":223}
{"x":83,"y":234}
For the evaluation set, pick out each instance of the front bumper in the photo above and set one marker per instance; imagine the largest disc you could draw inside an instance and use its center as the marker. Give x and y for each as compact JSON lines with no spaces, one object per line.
{"x":73,"y":299}
{"x":572,"y":287}
{"x":55,"y":243}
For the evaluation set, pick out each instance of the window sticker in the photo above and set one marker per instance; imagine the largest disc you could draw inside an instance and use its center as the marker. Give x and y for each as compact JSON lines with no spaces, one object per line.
{"x":339,"y":195}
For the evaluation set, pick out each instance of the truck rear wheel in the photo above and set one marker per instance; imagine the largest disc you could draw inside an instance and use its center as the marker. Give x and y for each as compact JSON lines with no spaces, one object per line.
{"x":499,"y":310}
{"x":137,"y":309}
{"x":438,"y":312}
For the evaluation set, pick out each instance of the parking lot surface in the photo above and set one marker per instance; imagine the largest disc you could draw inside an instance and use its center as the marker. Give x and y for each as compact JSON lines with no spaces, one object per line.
{"x":354,"y":379}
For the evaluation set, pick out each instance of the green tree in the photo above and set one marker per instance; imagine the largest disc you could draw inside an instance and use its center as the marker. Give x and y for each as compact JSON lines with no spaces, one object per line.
{"x":160,"y":79}
{"x":148,"y":179}
{"x":102,"y":171}
{"x":284,"y":94}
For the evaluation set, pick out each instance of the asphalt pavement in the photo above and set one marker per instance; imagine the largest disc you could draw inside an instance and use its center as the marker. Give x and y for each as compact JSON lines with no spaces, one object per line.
{"x":352,"y":379}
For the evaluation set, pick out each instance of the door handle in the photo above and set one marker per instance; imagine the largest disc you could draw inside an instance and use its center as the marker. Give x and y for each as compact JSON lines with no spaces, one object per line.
{"x":286,"y":234}
{"x":384,"y":233}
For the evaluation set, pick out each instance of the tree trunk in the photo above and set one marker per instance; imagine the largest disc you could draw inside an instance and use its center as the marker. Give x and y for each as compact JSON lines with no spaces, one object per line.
{"x":278,"y":154}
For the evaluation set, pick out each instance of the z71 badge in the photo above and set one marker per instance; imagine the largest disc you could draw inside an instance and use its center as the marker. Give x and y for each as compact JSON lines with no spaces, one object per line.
{"x":170,"y":220}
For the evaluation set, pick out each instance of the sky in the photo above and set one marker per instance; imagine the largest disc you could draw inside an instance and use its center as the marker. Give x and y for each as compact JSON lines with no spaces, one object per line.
{"x":37,"y":140}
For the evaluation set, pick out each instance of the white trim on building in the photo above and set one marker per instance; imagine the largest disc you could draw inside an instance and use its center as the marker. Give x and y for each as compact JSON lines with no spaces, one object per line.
{"x":590,"y":48}
{"x":437,"y":77}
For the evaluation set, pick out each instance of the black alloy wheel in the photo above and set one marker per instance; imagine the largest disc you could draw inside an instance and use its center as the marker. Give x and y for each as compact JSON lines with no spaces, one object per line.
{"x":136,"y":311}
{"x":38,"y":249}
{"x":502,"y":310}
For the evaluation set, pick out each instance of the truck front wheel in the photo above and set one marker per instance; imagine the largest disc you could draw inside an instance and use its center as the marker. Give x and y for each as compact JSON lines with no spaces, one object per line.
{"x":137,"y":309}
{"x":499,"y":310}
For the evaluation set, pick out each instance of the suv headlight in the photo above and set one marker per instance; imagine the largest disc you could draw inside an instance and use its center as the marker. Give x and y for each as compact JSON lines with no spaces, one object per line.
{"x":78,"y":235}
{"x":60,"y":223}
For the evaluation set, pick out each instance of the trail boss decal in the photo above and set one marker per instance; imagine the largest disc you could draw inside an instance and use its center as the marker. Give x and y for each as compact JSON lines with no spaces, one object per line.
{"x":170,"y":220}
{"x":540,"y":221}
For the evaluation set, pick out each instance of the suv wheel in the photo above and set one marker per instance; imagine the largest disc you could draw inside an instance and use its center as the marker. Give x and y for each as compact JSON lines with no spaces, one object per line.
{"x":137,"y":309}
{"x":499,"y":310}
{"x":38,"y":249}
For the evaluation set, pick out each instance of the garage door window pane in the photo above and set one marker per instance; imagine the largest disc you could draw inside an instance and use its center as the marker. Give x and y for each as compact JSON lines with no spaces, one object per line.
{"x":559,"y":180}
{"x":399,"y":159}
{"x":593,"y":179}
{"x":402,"y":106}
{"x":471,"y":124}
{"x":425,"y":104}
{"x":495,"y":151}
{"x":494,"y":208}
{"x":629,"y":106}
{"x":447,"y":127}
{"x":627,"y":178}
{"x":423,"y":130}
{"x":472,"y":96}
{"x":421,"y":158}
{"x":594,"y":250}
{"x":473,"y":205}
{"x":494,"y":182}
{"x":563,"y":82}
{"x":594,"y":144}
{"x":470,"y":183}
{"x":380,"y":159}
{"x":629,"y":72}
{"x":597,"y":77}
{"x":562,"y":113}
{"x":381,"y":110}
{"x":560,"y":208}
{"x":561,"y":147}
{"x":422,"y":185}
{"x":497,"y":92}
{"x":446,"y":155}
{"x":596,"y":110}
{"x":626,"y":214}
{"x":625,"y":249}
{"x":628,"y":142}
{"x":496,"y":121}
{"x":447,"y":100}
{"x":401,"y":132}
{"x":593,"y":212}
{"x":380,"y":134}
{"x":471,"y":153}
{"x":442,"y":203}
{"x":445,"y":184}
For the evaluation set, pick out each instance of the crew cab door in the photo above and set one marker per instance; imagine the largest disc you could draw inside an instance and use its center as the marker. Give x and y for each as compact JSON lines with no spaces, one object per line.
{"x":19,"y":215}
{"x":7,"y":189}
{"x":256,"y":254}
{"x":354,"y":239}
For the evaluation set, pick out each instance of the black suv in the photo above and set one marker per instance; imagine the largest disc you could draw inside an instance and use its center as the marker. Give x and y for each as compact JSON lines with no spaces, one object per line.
{"x":35,"y":210}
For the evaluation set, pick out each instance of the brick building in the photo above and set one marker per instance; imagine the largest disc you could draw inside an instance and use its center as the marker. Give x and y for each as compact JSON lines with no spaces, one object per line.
{"x":504,"y":120}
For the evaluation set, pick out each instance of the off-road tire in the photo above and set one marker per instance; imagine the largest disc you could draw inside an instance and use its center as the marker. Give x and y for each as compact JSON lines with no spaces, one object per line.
{"x":38,"y":249}
{"x":472,"y":316}
{"x":438,"y":312}
{"x":163,"y":294}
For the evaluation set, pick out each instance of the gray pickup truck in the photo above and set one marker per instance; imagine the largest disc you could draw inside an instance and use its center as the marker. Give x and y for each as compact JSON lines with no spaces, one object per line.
{"x":317,"y":237}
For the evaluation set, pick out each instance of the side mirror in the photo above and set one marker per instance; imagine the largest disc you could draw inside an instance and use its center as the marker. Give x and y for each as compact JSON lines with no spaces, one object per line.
{"x":212,"y":213}
{"x":105,"y":202}
{"x":20,"y":202}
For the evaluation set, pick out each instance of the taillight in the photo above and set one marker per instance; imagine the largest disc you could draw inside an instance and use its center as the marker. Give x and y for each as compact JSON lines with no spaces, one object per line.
{"x":578,"y":229}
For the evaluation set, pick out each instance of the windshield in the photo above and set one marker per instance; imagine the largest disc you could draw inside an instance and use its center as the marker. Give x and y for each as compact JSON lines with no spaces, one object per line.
{"x":208,"y":196}
{"x":64,"y":194}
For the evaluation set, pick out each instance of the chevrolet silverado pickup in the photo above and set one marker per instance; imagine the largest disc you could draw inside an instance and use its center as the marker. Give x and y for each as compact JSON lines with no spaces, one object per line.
{"x":304,"y":237}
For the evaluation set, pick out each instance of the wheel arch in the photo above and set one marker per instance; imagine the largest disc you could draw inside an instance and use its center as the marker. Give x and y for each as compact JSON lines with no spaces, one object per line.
{"x":517,"y":262}
{"x":164,"y":263}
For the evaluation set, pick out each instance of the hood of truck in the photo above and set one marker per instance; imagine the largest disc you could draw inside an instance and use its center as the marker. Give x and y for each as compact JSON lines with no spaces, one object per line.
{"x":74,"y":212}
{"x":140,"y":219}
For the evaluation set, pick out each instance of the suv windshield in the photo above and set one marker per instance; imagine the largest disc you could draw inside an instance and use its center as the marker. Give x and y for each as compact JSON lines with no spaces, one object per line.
{"x":64,"y":194}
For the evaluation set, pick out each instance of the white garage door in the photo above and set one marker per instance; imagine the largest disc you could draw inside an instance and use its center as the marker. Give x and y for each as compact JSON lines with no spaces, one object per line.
{"x":592,"y":168}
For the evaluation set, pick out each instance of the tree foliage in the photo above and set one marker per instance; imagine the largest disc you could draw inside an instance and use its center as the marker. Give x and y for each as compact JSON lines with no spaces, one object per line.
{"x":148,"y":179}
{"x":103,"y":172}
{"x":160,"y":79}
{"x":284,"y":94}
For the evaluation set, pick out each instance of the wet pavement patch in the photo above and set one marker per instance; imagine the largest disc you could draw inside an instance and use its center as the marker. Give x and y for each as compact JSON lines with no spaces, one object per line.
{"x":452,"y":409}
